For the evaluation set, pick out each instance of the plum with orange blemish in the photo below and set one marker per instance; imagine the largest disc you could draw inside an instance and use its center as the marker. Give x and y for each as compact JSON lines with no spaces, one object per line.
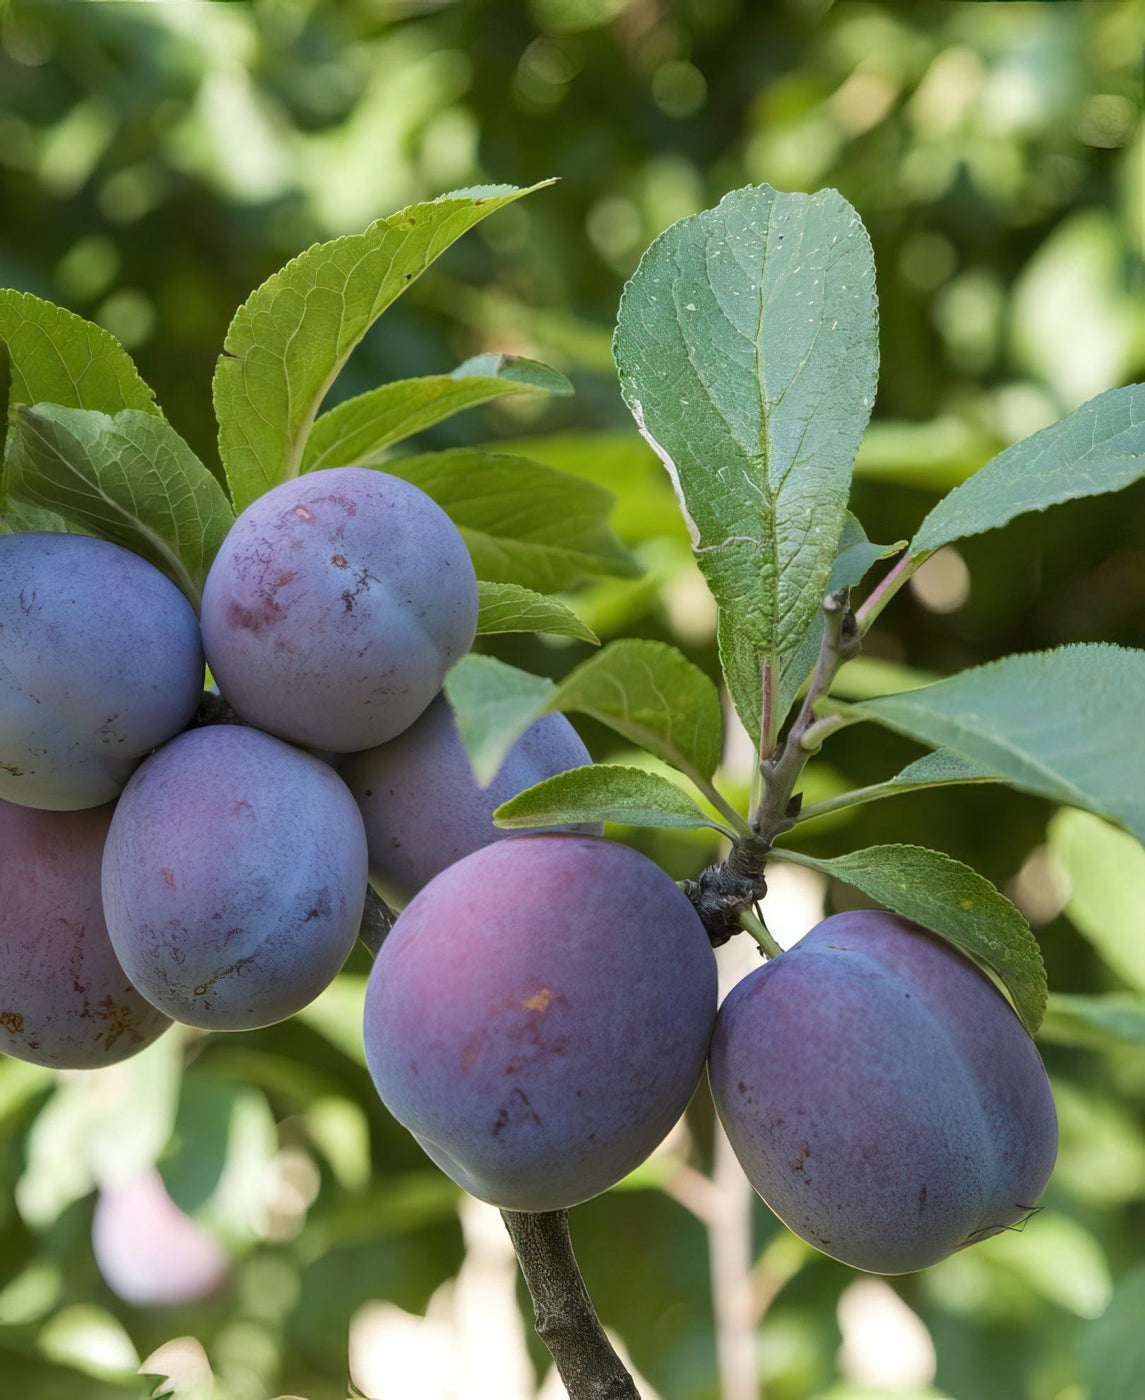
{"x":539,"y":1015}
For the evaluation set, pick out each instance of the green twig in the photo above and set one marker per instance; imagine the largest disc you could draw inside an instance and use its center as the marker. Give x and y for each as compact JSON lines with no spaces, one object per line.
{"x":751,"y":923}
{"x":887,"y":587}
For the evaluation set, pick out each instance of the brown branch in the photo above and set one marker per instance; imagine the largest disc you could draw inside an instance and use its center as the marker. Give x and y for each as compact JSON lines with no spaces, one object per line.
{"x":564,"y":1317}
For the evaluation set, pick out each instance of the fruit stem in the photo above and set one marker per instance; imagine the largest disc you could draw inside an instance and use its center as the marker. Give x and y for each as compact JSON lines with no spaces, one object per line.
{"x":751,"y":923}
{"x":564,"y":1317}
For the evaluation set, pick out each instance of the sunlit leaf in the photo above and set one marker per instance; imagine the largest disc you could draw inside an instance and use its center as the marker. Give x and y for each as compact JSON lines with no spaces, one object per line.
{"x":358,"y":431}
{"x":507,"y":607}
{"x":56,"y":356}
{"x":290,"y":339}
{"x":522,"y":523}
{"x":603,"y":792}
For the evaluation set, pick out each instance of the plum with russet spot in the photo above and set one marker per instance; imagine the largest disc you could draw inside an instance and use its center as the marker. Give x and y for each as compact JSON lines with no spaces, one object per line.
{"x":234,"y":878}
{"x":539,"y":1016}
{"x":882,"y":1095}
{"x":335,"y":606}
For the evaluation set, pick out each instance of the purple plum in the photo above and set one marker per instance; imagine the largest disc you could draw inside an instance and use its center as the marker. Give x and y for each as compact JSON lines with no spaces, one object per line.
{"x":335,"y":606}
{"x":234,"y":878}
{"x":881,"y":1094}
{"x":422,"y":805}
{"x":65,"y":1001}
{"x":100,"y":662}
{"x":539,"y":1016}
{"x":150,"y":1253}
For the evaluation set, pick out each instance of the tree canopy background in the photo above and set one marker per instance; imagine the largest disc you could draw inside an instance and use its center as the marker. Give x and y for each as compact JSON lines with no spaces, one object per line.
{"x":158,"y":161}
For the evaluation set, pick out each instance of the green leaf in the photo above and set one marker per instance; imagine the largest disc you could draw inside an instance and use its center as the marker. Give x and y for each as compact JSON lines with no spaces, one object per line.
{"x":1112,"y":1348}
{"x":290,"y":339}
{"x":1097,"y":1022}
{"x":56,"y":356}
{"x":1100,"y":447}
{"x":654,"y":696}
{"x":955,"y":902}
{"x":1106,"y":870}
{"x":507,"y":607}
{"x":742,"y":663}
{"x":16,"y":517}
{"x":748,"y":349}
{"x":1061,"y":724}
{"x":942,"y":768}
{"x":523,"y":523}
{"x":870,"y":678}
{"x":358,"y":431}
{"x":130,"y":479}
{"x":645,"y":690}
{"x":493,"y":704}
{"x":603,"y":792}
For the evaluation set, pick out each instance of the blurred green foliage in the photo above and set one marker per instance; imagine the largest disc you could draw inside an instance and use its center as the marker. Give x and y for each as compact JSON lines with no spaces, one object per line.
{"x":157,"y":161}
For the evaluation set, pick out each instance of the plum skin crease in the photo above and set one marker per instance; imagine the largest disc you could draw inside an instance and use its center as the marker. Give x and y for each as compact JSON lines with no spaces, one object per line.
{"x":65,"y":1001}
{"x":234,"y":878}
{"x":881,"y":1094}
{"x":539,"y":1015}
{"x":335,"y":606}
{"x":422,"y":805}
{"x":100,"y":662}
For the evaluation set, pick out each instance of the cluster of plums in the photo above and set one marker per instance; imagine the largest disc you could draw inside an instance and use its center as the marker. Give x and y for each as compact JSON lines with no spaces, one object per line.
{"x":542,"y":1011}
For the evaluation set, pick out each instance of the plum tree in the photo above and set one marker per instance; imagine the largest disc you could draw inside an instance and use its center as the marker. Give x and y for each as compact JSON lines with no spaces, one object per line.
{"x":422,"y":805}
{"x":150,"y":1253}
{"x":882,"y":1096}
{"x":100,"y":662}
{"x":539,"y":1015}
{"x":65,"y":1001}
{"x":234,"y":878}
{"x":335,"y":606}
